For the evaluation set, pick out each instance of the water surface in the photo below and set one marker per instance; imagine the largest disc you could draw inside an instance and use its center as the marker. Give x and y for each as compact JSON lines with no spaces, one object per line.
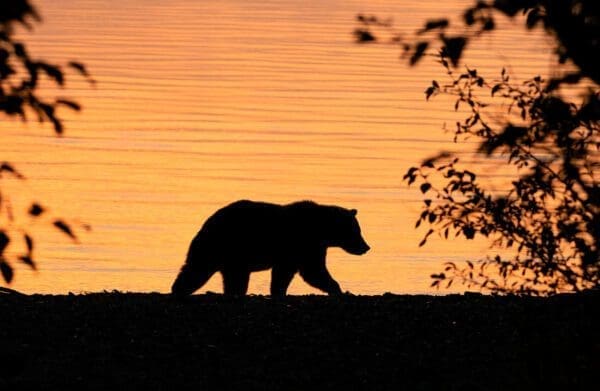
{"x":201,"y":103}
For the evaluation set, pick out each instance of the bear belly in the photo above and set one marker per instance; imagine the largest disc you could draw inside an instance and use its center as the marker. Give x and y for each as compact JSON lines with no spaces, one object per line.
{"x":255,"y":257}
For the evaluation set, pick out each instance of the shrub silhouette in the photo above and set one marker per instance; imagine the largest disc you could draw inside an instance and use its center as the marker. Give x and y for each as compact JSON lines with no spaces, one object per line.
{"x":550,"y":214}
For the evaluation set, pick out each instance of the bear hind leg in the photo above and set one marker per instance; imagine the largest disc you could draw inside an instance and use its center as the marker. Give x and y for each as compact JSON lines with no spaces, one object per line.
{"x":191,"y":278}
{"x":280,"y":280}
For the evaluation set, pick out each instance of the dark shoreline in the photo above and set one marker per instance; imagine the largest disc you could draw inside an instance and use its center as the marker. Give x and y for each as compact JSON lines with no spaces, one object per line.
{"x":151,"y":341}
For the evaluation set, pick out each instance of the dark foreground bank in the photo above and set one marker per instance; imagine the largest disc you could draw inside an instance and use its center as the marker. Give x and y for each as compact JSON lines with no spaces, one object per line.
{"x":132,"y":341}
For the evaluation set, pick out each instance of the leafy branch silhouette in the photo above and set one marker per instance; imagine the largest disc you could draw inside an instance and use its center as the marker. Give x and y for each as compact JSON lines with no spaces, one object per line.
{"x":20,"y":75}
{"x":549,"y":216}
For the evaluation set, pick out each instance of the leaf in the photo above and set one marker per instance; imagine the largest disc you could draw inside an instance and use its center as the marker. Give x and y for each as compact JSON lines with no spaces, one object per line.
{"x":425,"y":238}
{"x":9,"y":168}
{"x":410,"y":172}
{"x":79,"y":67}
{"x":20,"y":51}
{"x":53,"y":72}
{"x":429,"y":91}
{"x":28,"y":242}
{"x":36,"y":209}
{"x":489,"y":24}
{"x":45,"y":109}
{"x":496,"y":88}
{"x":58,"y":126}
{"x":26,"y":259}
{"x":64,"y":227}
{"x":470,"y":174}
{"x":13,"y":104}
{"x":453,"y":48}
{"x":425,"y":187}
{"x":7,"y":271}
{"x":434,"y":24}
{"x":469,"y":16}
{"x":4,"y":240}
{"x":419,"y":52}
{"x":428,"y":163}
{"x":363,"y":36}
{"x":432,"y":217}
{"x":69,"y":103}
{"x":469,"y":232}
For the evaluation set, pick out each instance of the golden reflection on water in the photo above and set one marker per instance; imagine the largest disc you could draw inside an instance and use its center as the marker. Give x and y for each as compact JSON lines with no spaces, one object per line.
{"x":202,"y":103}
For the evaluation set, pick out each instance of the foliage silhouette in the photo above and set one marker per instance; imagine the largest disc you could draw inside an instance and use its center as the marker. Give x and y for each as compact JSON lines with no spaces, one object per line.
{"x":20,"y":74}
{"x":574,"y":24}
{"x":549,"y":216}
{"x":248,"y":236}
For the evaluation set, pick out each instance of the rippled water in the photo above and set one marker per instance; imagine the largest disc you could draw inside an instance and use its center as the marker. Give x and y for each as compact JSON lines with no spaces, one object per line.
{"x":201,"y":103}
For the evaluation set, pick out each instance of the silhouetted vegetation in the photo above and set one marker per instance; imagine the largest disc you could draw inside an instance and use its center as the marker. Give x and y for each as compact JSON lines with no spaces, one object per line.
{"x":549,"y":214}
{"x":20,"y":75}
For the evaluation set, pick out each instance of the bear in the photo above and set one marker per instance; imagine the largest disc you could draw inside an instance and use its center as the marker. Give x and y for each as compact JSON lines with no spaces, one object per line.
{"x":249,"y":236}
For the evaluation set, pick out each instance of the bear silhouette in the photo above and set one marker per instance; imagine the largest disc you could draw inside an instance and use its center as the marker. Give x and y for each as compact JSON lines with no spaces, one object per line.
{"x":248,"y":236}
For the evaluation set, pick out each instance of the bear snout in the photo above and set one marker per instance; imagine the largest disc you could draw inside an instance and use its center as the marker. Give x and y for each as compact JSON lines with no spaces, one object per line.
{"x":365,"y":248}
{"x":357,"y":249}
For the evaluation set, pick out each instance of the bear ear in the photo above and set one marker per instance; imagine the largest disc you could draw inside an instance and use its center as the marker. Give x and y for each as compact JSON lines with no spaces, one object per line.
{"x":353,"y":212}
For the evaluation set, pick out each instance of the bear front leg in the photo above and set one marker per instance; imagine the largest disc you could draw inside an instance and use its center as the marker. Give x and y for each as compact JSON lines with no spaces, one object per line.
{"x":235,"y":282}
{"x":319,"y":277}
{"x":280,"y":280}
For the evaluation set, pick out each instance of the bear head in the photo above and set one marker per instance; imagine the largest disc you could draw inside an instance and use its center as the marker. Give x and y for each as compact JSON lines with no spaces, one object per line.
{"x":346,"y":232}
